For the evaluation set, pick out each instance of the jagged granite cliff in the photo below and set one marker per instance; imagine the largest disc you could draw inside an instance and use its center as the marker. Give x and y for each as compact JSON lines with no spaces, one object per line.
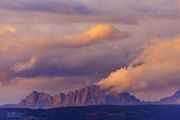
{"x":90,"y":95}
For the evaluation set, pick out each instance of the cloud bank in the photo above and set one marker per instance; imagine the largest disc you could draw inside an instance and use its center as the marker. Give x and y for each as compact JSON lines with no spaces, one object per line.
{"x":76,"y":11}
{"x":50,"y":56}
{"x":156,"y":68}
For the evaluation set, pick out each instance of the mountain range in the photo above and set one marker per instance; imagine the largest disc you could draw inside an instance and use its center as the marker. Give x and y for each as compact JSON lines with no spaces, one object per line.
{"x":87,"y":96}
{"x":90,"y":95}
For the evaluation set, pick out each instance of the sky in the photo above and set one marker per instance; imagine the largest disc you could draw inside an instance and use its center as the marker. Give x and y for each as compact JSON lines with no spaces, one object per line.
{"x":61,"y":45}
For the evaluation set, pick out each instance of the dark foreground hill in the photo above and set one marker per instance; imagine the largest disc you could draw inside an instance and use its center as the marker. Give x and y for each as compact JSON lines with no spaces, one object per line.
{"x":146,"y":112}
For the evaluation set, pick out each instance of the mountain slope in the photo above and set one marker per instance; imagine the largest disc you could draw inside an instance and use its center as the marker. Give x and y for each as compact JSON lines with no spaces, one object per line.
{"x":37,"y":100}
{"x":174,"y":99}
{"x":90,"y":95}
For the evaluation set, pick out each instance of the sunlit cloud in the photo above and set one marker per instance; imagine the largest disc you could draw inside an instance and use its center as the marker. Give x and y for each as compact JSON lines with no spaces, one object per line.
{"x":156,"y":68}
{"x":24,"y":66}
{"x":6,"y":29}
{"x":96,"y":34}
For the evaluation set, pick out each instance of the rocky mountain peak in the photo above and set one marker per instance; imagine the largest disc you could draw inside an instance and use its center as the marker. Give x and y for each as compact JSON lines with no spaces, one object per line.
{"x":89,"y":95}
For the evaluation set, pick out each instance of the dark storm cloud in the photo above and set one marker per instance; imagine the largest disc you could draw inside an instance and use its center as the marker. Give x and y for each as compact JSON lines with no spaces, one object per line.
{"x":85,"y":70}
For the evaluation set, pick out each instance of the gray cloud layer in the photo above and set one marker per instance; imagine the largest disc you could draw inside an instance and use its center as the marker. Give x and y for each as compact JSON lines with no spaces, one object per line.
{"x":72,"y":11}
{"x":61,"y":7}
{"x":53,"y":56}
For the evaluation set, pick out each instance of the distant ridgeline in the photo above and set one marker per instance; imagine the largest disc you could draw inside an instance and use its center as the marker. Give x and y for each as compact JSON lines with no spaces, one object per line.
{"x":90,"y":95}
